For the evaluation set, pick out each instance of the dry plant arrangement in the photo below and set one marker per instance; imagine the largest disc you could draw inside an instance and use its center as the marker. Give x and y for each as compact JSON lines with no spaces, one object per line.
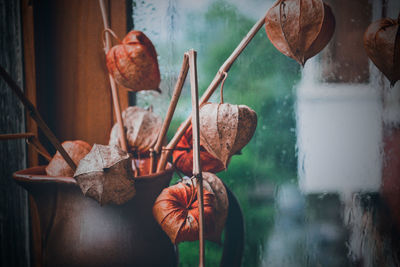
{"x":195,"y":208}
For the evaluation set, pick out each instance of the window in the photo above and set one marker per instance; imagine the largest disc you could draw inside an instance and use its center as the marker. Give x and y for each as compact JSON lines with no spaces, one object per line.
{"x":318,"y":180}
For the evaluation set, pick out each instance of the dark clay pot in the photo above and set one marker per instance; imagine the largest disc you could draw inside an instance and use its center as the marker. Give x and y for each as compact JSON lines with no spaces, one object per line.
{"x":76,"y":231}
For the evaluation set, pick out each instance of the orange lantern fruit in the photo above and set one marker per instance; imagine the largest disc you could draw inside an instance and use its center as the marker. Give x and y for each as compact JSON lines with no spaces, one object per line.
{"x":176,"y":209}
{"x":76,"y":150}
{"x":133,"y":63}
{"x":300,"y":29}
{"x":226,"y":128}
{"x":183,"y":156}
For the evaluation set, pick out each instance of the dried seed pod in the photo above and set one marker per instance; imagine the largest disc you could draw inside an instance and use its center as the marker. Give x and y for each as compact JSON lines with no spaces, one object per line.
{"x":300,"y":29}
{"x":176,"y":210}
{"x":183,"y":156}
{"x":382,"y":44}
{"x":142,"y":128}
{"x":76,"y":150}
{"x":221,"y":206}
{"x":105,"y":174}
{"x":226,"y":128}
{"x":133,"y":63}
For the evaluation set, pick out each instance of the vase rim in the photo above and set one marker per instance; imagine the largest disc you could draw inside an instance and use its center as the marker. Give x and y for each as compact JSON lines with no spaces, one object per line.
{"x":37,"y":174}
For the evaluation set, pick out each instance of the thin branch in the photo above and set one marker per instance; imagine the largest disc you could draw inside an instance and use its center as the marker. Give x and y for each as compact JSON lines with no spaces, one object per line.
{"x":215,"y":82}
{"x":34,"y":142}
{"x":16,"y":136}
{"x":196,"y":151}
{"x":34,"y":113}
{"x":170,"y":113}
{"x":114,"y":89}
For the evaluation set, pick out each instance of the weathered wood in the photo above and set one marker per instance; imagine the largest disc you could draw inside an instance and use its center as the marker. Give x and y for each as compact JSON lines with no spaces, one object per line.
{"x":28,"y":39}
{"x":33,"y":112}
{"x":14,"y":235}
{"x":72,"y":79}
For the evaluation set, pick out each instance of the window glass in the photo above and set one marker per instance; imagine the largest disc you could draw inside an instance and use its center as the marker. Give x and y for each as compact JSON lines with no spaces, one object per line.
{"x":310,"y":182}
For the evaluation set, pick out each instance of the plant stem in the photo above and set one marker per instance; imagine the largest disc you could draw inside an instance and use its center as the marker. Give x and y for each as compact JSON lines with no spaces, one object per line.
{"x":34,"y":142}
{"x":170,"y":113}
{"x":34,"y":113}
{"x":114,"y":91}
{"x":196,"y":150}
{"x":16,"y":136}
{"x":214,"y":84}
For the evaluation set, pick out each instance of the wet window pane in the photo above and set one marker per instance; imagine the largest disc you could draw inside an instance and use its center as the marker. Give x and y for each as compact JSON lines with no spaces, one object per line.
{"x":318,"y":183}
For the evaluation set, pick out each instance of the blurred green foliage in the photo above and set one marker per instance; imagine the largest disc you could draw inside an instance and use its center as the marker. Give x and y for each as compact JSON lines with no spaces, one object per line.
{"x":263,"y":79}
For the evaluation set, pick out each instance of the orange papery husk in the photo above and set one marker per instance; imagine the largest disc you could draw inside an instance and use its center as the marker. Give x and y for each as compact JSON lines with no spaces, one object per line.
{"x":300,"y":29}
{"x":76,"y":149}
{"x":183,"y":156}
{"x":133,"y":63}
{"x":226,"y":128}
{"x":221,"y":206}
{"x":176,"y":210}
{"x":141,"y":127}
{"x":105,"y":174}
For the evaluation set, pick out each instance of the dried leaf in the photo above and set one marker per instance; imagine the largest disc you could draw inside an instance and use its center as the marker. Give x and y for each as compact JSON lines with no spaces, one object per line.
{"x":105,"y":174}
{"x":76,"y":150}
{"x":382,"y":44}
{"x":142,"y":129}
{"x":176,"y":210}
{"x":133,"y":63}
{"x":300,"y":29}
{"x":183,"y":156}
{"x":226,"y":128}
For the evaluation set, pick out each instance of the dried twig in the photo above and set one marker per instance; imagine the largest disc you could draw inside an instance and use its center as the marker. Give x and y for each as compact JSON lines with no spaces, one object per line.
{"x":31,"y":140}
{"x":214,"y":84}
{"x":114,"y":91}
{"x":36,"y":116}
{"x":170,"y":113}
{"x":196,"y":150}
{"x":34,"y":142}
{"x":16,"y":136}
